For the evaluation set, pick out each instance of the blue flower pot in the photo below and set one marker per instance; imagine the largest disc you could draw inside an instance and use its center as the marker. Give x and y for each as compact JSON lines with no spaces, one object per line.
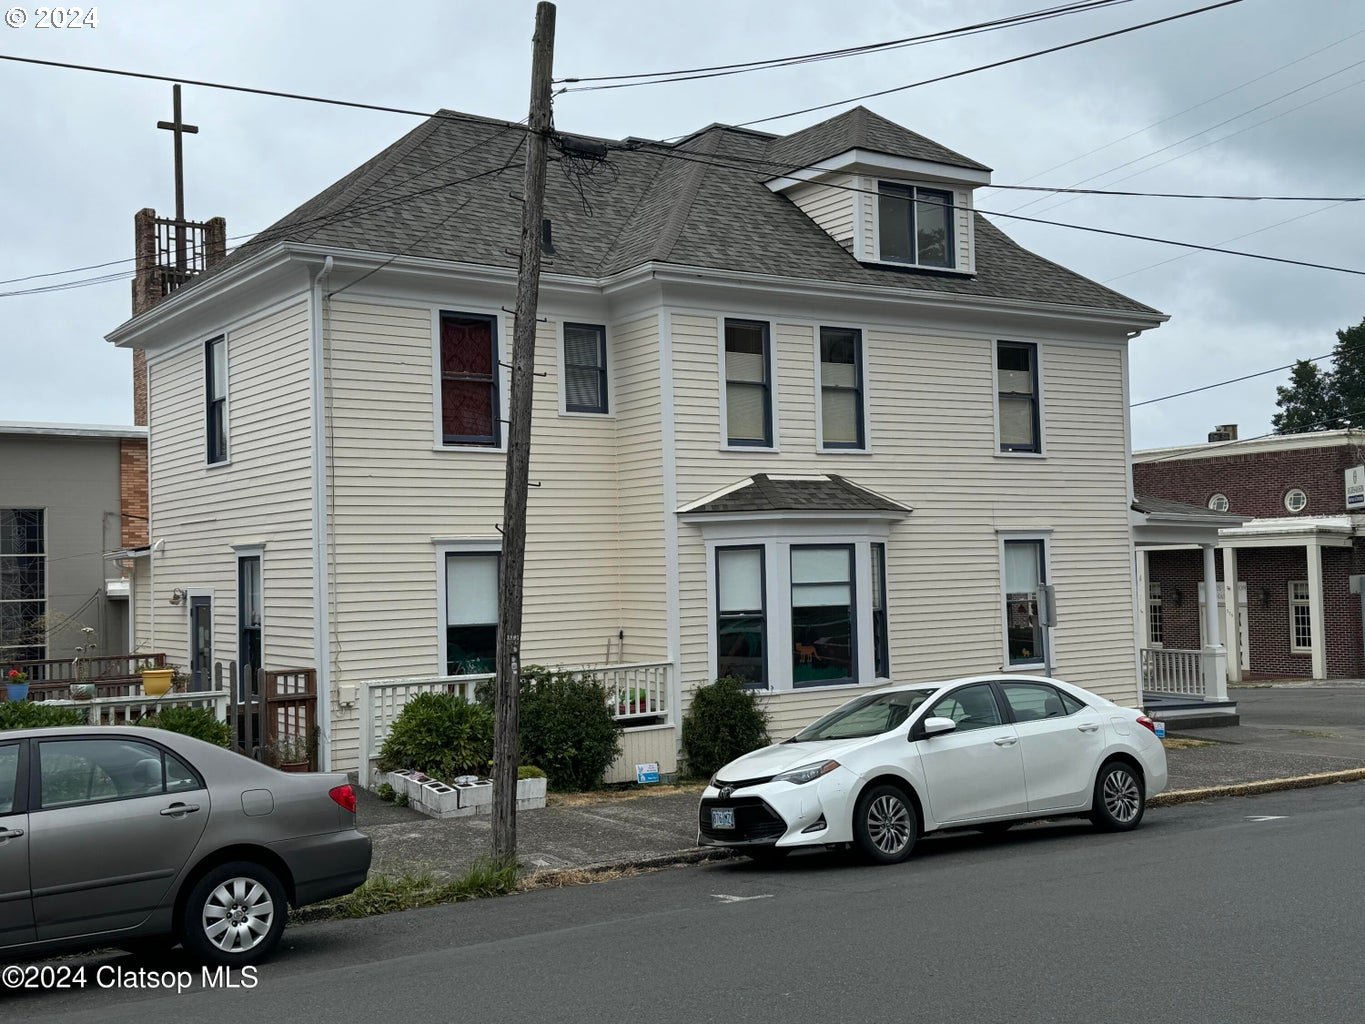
{"x":16,"y":691}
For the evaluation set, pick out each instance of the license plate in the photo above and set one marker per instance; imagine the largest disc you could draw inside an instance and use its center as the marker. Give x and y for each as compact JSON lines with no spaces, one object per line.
{"x":722,"y":817}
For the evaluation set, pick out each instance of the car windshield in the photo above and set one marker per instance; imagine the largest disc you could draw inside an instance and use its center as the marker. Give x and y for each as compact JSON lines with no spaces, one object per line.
{"x":867,"y":716}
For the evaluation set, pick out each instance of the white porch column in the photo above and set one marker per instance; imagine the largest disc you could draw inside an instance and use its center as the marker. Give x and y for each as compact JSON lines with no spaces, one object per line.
{"x":1232,"y":613}
{"x":1214,"y":656}
{"x":1316,"y":618}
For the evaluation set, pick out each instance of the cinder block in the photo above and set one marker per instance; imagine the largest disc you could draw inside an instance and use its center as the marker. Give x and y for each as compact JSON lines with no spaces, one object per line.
{"x":478,"y":797}
{"x":530,"y":794}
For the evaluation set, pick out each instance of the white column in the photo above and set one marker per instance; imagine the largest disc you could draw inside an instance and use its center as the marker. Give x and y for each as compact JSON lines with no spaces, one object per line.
{"x":1232,"y":613}
{"x":1315,"y":608}
{"x":1214,"y":658}
{"x":1144,"y":582}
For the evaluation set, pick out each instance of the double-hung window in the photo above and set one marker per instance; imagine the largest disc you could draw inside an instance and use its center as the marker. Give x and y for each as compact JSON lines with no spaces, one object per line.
{"x":915,"y":225}
{"x":23,"y":586}
{"x":841,"y":388}
{"x":1300,"y":617}
{"x":823,"y":629}
{"x":741,"y":615}
{"x":471,"y":612}
{"x":585,"y":368}
{"x":215,"y":395}
{"x":748,"y":384}
{"x":1025,"y":574}
{"x":1017,"y":383}
{"x":470,"y":407}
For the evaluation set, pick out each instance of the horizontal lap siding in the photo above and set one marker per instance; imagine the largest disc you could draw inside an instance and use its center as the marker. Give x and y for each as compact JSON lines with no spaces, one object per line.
{"x":832,"y":206}
{"x":931,"y":422}
{"x":264,"y":495}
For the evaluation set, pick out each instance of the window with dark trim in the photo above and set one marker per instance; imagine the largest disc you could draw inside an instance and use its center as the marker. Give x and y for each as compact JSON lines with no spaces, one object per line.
{"x":748,"y":384}
{"x":585,"y":368}
{"x":1017,"y":382}
{"x":250,"y":639}
{"x":823,"y":619}
{"x":881,"y":646}
{"x":472,"y":582}
{"x":741,"y":615}
{"x":841,"y":388}
{"x":915,"y":225}
{"x":23,"y":586}
{"x":470,"y":407}
{"x":215,"y":409}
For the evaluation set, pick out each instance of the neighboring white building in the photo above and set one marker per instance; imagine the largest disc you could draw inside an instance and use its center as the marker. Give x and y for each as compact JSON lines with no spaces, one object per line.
{"x":804,"y":417}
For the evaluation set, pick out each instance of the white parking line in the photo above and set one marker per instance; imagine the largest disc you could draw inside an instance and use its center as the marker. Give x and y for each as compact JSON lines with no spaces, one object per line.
{"x":1265,"y":817}
{"x":740,"y":899}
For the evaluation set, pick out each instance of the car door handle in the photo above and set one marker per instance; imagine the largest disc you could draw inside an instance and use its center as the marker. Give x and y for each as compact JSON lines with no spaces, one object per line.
{"x":1088,"y":727}
{"x":178,"y":810}
{"x":14,"y":833}
{"x":1006,"y":741}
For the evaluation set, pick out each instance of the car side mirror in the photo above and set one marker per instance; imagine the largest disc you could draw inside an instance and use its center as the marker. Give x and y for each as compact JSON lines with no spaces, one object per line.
{"x":938,"y":726}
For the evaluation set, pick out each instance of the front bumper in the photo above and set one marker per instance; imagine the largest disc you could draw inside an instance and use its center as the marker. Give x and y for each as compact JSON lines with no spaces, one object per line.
{"x":327,"y":865}
{"x":781,"y":813}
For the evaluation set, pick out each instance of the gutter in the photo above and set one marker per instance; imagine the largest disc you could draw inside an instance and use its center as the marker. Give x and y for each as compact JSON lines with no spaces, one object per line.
{"x":321,"y":609}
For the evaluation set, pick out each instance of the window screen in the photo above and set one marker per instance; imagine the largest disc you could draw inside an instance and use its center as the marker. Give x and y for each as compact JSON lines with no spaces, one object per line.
{"x":585,"y":368}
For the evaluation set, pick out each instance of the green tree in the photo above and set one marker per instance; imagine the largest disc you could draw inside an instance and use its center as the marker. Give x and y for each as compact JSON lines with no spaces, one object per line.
{"x":1317,"y":399}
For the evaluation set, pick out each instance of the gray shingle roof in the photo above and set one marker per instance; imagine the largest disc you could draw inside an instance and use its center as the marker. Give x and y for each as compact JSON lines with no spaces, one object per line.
{"x":701,"y":203}
{"x":828,"y":493}
{"x":1165,"y":507}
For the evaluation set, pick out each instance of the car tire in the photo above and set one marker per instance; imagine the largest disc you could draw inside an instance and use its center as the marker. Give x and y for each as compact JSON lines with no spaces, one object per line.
{"x":885,"y":824}
{"x":1120,"y":798}
{"x":242,"y":891}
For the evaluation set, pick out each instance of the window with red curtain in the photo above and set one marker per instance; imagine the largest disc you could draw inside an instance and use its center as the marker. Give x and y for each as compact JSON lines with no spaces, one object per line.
{"x":469,"y":379}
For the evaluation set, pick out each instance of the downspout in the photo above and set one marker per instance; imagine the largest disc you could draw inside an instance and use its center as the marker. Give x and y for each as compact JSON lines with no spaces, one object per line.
{"x":321,"y":611}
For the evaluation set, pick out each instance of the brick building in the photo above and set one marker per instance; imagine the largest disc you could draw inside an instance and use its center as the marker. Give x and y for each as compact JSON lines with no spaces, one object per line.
{"x":1291,"y":561}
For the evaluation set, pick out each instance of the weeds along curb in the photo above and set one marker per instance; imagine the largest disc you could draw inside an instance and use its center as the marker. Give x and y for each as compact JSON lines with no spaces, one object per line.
{"x":1189,"y":796}
{"x":553,"y":878}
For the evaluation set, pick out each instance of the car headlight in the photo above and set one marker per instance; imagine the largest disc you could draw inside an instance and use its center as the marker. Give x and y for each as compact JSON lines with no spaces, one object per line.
{"x":806,"y":773}
{"x":713,"y":783}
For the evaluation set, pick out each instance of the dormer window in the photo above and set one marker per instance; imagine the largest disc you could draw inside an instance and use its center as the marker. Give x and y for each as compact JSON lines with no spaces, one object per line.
{"x":915,"y":225}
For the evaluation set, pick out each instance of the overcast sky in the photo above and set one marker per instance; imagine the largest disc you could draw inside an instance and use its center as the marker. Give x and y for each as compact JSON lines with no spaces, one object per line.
{"x":81,"y":153}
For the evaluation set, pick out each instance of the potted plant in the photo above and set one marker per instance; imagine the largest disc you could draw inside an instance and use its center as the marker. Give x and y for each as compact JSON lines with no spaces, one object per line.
{"x":291,"y":754}
{"x":156,"y":680}
{"x":16,"y":685}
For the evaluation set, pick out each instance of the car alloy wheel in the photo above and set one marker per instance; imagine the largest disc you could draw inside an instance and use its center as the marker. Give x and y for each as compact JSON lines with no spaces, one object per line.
{"x":238,"y":915}
{"x":1119,"y":801}
{"x":1121,"y":796}
{"x":885,"y":824}
{"x":234,"y":914}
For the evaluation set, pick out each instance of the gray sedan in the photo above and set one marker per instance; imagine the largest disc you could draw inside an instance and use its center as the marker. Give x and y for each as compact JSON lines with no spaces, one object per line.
{"x":135,"y":837}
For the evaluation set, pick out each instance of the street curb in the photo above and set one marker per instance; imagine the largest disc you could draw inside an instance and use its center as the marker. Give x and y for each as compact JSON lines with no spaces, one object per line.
{"x":1189,"y":796}
{"x":546,"y":877}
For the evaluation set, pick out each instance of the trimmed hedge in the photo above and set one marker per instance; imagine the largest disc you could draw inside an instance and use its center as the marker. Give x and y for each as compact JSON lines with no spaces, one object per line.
{"x":567,"y":728}
{"x":723,"y":722}
{"x":197,"y":722}
{"x":442,"y":735}
{"x":31,"y":714}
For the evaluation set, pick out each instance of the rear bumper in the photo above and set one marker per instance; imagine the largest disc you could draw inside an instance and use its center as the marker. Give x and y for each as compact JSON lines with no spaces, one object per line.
{"x":327,"y":865}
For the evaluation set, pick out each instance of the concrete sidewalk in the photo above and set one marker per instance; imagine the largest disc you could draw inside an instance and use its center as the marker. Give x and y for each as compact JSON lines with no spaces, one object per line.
{"x":1285,"y":732}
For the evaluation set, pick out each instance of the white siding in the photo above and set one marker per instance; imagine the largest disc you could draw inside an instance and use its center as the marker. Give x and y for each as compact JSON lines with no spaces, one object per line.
{"x":831,"y":205}
{"x":931,"y":404}
{"x":644,"y":746}
{"x":264,"y":495}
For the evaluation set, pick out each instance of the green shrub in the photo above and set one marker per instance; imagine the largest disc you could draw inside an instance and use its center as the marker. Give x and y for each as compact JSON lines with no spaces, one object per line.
{"x":442,"y":735}
{"x":567,"y":728}
{"x":529,"y":771}
{"x":31,"y":714}
{"x":197,"y":722}
{"x":723,"y":722}
{"x":385,"y":792}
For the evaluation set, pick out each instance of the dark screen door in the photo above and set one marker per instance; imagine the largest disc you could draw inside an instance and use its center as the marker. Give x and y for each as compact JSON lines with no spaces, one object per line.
{"x":201,"y":642}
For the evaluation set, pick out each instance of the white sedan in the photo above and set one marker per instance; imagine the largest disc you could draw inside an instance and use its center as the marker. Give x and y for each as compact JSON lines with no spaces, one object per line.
{"x":891,"y":765}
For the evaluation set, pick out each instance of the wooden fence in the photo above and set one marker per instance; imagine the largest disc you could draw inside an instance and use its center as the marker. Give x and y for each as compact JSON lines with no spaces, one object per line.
{"x":114,"y":675}
{"x":272,"y":714}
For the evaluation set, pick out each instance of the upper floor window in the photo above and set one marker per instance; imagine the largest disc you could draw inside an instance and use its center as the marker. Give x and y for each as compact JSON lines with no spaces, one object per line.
{"x":841,"y":388}
{"x":215,"y":389}
{"x":1017,"y":381}
{"x":470,"y":407}
{"x":748,"y":384}
{"x":1218,"y":503}
{"x":585,"y":368}
{"x":23,"y":586}
{"x":915,"y":225}
{"x":1295,"y":500}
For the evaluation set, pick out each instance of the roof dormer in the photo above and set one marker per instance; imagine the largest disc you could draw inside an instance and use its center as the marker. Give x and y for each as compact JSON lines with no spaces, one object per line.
{"x":888,"y":196}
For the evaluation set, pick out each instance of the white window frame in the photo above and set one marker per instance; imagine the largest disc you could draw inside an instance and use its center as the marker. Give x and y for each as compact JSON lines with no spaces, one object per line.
{"x":1049,"y":658}
{"x":226,"y":460}
{"x":820,"y":446}
{"x":562,"y":365}
{"x":1155,"y":616}
{"x":504,"y":377}
{"x":1306,"y":603}
{"x":1289,"y":508}
{"x":1214,"y":500}
{"x":457,"y":546}
{"x":1038,"y":381}
{"x":955,"y":201}
{"x":775,"y":418}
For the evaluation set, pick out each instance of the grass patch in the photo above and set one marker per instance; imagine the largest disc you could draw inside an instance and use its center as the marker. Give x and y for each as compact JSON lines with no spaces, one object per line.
{"x":1179,"y":743}
{"x":597,"y":796}
{"x":385,"y":894}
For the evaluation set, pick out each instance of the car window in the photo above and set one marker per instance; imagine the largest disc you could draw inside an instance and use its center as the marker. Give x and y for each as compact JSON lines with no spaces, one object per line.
{"x":83,"y":771}
{"x":1033,"y":702}
{"x":871,"y":715}
{"x":9,"y":775}
{"x":179,"y":776}
{"x":1072,"y":704}
{"x":972,"y":707}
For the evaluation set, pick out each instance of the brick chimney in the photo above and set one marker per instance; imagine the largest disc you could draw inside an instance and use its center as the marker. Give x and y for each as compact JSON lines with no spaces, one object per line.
{"x":168,"y":255}
{"x":1223,"y":432}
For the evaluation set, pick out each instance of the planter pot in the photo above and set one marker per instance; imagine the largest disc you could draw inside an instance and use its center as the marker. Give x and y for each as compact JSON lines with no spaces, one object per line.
{"x":16,"y":691}
{"x":477,"y":798}
{"x":293,"y":766}
{"x":156,"y":682}
{"x":82,"y":691}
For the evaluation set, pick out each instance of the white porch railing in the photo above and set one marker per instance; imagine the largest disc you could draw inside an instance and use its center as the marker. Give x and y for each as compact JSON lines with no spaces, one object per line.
{"x":127,"y":710}
{"x":1166,"y":670}
{"x":637,"y":694}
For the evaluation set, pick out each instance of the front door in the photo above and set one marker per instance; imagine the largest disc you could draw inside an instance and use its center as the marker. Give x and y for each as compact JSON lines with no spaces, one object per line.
{"x":248,"y":619}
{"x":16,"y":904}
{"x":201,"y":643}
{"x":976,"y":771}
{"x":116,"y":821}
{"x":1062,"y":741}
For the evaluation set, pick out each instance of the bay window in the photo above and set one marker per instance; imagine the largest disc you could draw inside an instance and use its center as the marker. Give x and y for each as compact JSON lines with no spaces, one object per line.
{"x":741,"y":617}
{"x":822,"y":615}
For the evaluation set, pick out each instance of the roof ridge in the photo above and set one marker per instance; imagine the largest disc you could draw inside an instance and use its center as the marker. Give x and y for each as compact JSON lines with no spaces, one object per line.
{"x":682,"y":209}
{"x":609,"y":251}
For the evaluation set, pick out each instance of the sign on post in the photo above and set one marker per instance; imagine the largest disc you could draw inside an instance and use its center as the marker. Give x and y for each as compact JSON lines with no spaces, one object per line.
{"x":646,"y":773}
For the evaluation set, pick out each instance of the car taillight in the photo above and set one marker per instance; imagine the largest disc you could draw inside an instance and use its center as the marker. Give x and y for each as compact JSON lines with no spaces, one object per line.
{"x":344,"y":796}
{"x":1143,"y":721}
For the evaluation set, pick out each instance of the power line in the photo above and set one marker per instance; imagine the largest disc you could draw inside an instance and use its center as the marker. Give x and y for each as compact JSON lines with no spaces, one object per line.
{"x":1234,"y":380}
{"x":885,"y":46}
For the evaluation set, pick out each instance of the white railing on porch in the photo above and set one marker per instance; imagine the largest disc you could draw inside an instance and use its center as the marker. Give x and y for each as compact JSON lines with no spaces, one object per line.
{"x":127,"y":710}
{"x":1166,"y":670}
{"x":637,"y":694}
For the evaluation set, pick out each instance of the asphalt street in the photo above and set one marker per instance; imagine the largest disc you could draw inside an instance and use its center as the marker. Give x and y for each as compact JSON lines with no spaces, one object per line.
{"x":1234,"y":910}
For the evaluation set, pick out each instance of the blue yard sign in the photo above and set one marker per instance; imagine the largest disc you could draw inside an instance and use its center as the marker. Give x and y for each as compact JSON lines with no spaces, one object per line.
{"x":645,"y":773}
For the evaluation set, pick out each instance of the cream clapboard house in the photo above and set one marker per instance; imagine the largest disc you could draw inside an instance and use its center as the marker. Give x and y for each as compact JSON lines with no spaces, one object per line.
{"x":805,"y":418}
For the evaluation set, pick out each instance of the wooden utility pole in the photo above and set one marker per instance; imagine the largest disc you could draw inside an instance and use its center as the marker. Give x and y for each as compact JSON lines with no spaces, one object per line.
{"x":506,"y":729}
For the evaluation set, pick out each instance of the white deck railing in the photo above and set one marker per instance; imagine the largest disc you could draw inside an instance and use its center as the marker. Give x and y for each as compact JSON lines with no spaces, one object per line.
{"x":637,"y":694}
{"x":127,"y":710}
{"x":1165,"y":670}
